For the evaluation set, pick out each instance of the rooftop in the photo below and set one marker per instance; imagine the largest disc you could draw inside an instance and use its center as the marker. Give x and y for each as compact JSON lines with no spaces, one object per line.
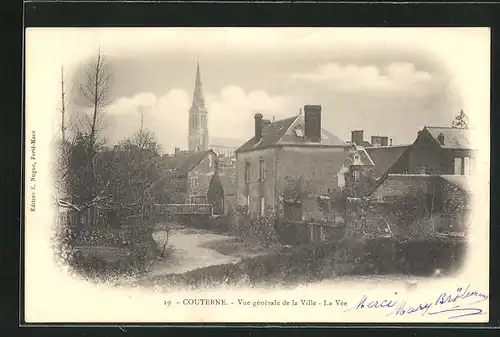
{"x":384,"y":157}
{"x":454,"y":138}
{"x":183,"y":162}
{"x":288,"y":131}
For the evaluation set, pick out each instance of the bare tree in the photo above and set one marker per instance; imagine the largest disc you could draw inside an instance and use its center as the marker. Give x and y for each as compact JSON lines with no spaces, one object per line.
{"x":63,"y":108}
{"x":96,"y":89}
{"x":142,"y":110}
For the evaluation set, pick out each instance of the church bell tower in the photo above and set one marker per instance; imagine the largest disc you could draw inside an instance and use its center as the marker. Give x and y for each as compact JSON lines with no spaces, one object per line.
{"x":198,"y":118}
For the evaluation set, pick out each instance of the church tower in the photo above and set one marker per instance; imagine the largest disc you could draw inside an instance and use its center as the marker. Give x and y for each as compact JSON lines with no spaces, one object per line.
{"x":198,"y":118}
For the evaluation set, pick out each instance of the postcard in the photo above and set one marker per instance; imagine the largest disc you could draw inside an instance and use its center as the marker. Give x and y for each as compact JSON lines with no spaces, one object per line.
{"x":243,"y":175}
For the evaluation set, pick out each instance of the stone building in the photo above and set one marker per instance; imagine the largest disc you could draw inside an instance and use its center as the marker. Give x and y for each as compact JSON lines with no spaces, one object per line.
{"x":191,"y":174}
{"x":287,"y":164}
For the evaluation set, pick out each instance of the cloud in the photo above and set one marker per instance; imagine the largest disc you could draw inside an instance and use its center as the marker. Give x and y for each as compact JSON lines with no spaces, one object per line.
{"x":166,"y":117}
{"x":230,"y":114}
{"x":231,"y":111}
{"x":396,"y":77}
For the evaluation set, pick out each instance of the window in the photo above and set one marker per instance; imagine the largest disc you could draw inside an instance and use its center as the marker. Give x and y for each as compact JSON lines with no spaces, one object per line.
{"x":194,"y":182}
{"x":248,"y":202}
{"x":459,"y":167}
{"x":210,"y":161}
{"x":466,"y":165}
{"x":262,"y":206}
{"x":299,"y":132}
{"x":247,"y":172}
{"x":357,"y":159}
{"x":262,"y":170}
{"x":322,"y":234}
{"x":356,"y":175}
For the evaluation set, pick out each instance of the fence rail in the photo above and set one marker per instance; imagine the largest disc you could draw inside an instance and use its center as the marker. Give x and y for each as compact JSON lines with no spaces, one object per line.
{"x":88,"y":217}
{"x":183,"y":209}
{"x":96,"y":218}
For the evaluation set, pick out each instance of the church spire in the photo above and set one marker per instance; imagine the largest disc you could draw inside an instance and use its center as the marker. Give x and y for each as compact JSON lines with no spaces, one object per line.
{"x":198,"y":117}
{"x":198,"y":99}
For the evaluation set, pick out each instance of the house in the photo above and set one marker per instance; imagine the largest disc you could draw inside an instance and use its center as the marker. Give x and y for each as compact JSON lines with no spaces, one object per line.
{"x":442,"y":150}
{"x":446,"y":199}
{"x":387,"y":160}
{"x":287,"y":163}
{"x":191,"y":174}
{"x":436,"y":150}
{"x":357,"y":166}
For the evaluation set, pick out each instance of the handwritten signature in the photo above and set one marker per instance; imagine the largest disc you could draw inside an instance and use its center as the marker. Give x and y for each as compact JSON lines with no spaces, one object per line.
{"x":439,"y":305}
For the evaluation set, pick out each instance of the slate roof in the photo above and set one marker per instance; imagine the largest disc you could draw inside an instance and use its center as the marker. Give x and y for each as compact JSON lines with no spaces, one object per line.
{"x":453,"y":138}
{"x":384,"y":157}
{"x":283,"y":132}
{"x":184,"y":162}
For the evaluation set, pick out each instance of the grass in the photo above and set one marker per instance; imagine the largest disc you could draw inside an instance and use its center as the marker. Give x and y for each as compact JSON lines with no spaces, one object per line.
{"x":235,"y":247}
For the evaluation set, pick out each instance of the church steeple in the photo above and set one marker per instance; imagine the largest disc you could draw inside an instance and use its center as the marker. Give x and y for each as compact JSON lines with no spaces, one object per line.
{"x":198,"y":117}
{"x":198,"y":99}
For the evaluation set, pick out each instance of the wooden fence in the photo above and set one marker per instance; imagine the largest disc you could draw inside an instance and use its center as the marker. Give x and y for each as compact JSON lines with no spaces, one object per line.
{"x":89,"y":218}
{"x":182,"y":209}
{"x":96,"y":218}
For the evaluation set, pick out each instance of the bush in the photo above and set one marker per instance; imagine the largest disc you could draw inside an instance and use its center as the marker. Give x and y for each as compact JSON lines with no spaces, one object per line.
{"x":259,"y":230}
{"x":136,"y":250}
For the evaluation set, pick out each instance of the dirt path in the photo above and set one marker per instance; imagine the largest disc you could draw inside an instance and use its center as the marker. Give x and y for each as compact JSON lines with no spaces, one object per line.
{"x":184,"y":252}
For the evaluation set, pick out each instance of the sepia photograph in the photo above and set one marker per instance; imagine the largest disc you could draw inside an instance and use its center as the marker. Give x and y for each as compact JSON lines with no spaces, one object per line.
{"x":203,"y":175}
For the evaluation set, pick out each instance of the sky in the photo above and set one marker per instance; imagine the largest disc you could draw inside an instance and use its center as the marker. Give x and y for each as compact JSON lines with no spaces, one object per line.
{"x":386,"y":81}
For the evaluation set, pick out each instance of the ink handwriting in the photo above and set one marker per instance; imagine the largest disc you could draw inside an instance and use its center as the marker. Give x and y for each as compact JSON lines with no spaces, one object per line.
{"x":452,"y":304}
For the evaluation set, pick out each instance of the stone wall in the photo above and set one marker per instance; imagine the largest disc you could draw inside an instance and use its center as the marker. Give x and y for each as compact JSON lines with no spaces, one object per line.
{"x":255,"y":188}
{"x":398,"y":186}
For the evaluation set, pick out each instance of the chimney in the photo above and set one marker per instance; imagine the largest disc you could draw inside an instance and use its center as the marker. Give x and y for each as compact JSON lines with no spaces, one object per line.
{"x":379,"y":141}
{"x":441,"y":138}
{"x":258,"y":126}
{"x":385,"y":141}
{"x":177,"y":150}
{"x":357,"y":137}
{"x":312,"y":117}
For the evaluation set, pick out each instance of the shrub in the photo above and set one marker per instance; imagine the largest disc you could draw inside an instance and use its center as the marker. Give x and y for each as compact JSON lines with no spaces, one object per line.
{"x":259,"y":230}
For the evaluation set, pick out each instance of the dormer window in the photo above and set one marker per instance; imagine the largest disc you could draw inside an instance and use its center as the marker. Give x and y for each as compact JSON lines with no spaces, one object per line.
{"x":357,"y":159}
{"x":441,"y":139}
